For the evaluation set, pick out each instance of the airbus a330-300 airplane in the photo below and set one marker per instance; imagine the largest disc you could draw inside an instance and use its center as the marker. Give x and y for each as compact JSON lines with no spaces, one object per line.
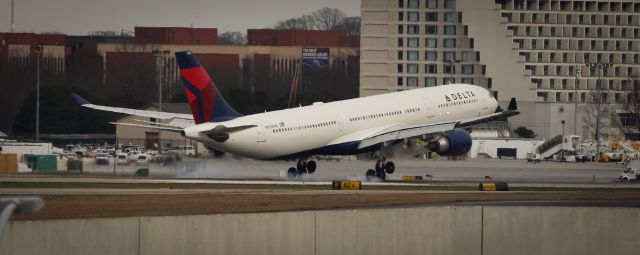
{"x":435,"y":114}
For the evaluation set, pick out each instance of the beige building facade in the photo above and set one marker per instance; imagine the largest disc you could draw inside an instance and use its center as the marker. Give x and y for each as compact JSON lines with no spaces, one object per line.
{"x":534,"y":50}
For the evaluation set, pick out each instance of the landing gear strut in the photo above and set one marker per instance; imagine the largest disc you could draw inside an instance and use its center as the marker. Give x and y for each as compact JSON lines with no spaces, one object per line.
{"x":382,"y":168}
{"x":303,"y":166}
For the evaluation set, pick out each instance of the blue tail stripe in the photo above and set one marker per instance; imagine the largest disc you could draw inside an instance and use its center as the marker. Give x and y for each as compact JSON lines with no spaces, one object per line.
{"x":186,"y":60}
{"x":198,"y":95}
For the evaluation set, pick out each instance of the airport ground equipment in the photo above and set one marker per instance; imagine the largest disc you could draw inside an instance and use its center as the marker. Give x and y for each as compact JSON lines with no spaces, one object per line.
{"x":508,"y":152}
{"x":412,"y":178}
{"x":347,"y":185}
{"x":630,"y":174}
{"x":533,"y":158}
{"x":560,"y":148}
{"x":493,"y":186}
{"x":8,"y":163}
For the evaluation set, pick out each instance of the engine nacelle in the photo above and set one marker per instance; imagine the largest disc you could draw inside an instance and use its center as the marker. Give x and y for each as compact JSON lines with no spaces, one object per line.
{"x":453,"y":143}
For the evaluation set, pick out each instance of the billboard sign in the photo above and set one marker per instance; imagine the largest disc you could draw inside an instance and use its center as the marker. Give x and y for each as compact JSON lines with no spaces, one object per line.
{"x":315,"y":58}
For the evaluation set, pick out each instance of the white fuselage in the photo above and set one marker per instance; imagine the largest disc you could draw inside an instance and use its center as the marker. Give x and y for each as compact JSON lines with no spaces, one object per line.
{"x":291,"y":131}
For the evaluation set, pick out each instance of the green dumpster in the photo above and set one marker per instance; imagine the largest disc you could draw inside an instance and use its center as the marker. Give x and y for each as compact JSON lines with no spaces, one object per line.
{"x":42,"y":162}
{"x":143,"y":172}
{"x":74,"y":165}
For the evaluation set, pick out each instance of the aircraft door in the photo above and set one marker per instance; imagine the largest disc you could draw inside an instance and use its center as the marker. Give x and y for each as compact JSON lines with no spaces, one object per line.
{"x":261,"y":136}
{"x":427,"y":108}
{"x":340,"y":123}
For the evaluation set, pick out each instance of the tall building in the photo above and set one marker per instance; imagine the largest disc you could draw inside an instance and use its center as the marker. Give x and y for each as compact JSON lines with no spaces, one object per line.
{"x":534,"y":50}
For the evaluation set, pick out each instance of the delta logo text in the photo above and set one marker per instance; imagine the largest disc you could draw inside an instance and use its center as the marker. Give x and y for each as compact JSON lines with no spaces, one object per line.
{"x":459,"y":96}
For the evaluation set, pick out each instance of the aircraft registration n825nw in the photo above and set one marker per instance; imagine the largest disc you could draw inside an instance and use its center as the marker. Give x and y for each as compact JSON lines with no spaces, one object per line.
{"x":437,"y":115}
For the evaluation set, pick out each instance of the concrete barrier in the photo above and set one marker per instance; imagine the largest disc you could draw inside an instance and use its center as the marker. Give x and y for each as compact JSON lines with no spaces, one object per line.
{"x":419,"y":230}
{"x":81,"y":236}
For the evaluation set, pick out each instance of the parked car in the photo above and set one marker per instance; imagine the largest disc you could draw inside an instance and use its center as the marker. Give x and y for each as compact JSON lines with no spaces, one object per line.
{"x":102,"y":159}
{"x":122,"y":159}
{"x":143,"y":160}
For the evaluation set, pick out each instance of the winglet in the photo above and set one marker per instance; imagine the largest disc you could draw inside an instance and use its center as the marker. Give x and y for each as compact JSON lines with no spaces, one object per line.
{"x":513,"y":106}
{"x":79,"y":99}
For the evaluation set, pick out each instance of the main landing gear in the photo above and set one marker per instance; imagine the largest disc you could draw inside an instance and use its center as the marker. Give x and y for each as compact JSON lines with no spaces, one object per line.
{"x":302,"y":167}
{"x":382,"y":168}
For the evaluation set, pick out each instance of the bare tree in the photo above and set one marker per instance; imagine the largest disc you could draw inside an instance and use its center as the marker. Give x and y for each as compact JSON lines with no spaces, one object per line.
{"x":351,"y":25}
{"x":328,"y":18}
{"x":232,"y":38}
{"x":321,"y":19}
{"x":609,"y":121}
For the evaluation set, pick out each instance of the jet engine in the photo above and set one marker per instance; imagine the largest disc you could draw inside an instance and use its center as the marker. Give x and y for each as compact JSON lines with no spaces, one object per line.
{"x":453,"y":143}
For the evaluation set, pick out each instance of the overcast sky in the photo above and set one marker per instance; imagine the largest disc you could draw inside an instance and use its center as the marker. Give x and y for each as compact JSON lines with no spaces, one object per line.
{"x":79,"y":17}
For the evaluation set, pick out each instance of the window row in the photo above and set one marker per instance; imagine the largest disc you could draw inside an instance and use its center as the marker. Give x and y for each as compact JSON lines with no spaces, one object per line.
{"x":458,"y":103}
{"x":583,"y":84}
{"x":429,"y":4}
{"x":585,"y":97}
{"x":580,"y":57}
{"x":586,"y":6}
{"x":572,"y":19}
{"x":433,"y":68}
{"x":303,"y":127}
{"x":430,"y":81}
{"x":430,"y":16}
{"x":414,"y":42}
{"x":572,"y":32}
{"x":375,"y":116}
{"x":566,"y":44}
{"x":428,"y":29}
{"x":414,"y":55}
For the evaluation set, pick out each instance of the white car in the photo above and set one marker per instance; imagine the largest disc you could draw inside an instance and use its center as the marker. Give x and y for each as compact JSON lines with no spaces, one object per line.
{"x":122,"y":159}
{"x":102,"y":159}
{"x":143,"y":160}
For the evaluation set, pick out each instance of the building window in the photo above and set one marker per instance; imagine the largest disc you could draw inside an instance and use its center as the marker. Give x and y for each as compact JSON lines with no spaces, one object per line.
{"x":432,"y":16}
{"x":400,"y":68}
{"x":465,"y":56}
{"x":400,"y":42}
{"x":431,"y":29}
{"x":412,"y":29}
{"x":451,"y":16}
{"x":414,"y":4}
{"x":430,"y":81}
{"x":583,"y":97}
{"x":544,"y":96}
{"x":450,"y":30}
{"x":448,"y":80}
{"x":467,"y":80}
{"x":412,"y":55}
{"x":431,"y":56}
{"x":412,"y":81}
{"x":449,"y":4}
{"x":400,"y":16}
{"x":450,"y":43}
{"x":412,"y":42}
{"x":431,"y":68}
{"x":570,"y":97}
{"x":448,"y":69}
{"x":400,"y":29}
{"x":400,"y":55}
{"x":399,"y":81}
{"x":413,"y":16}
{"x":432,"y":43}
{"x":400,"y":3}
{"x":412,"y":68}
{"x":432,"y":4}
{"x":467,"y":69}
{"x":448,"y":55}
{"x":557,"y":96}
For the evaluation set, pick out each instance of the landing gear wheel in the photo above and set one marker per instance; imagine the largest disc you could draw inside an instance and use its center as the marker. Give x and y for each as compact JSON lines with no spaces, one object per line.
{"x":382,"y":176}
{"x":390,"y":167}
{"x":311,"y":166}
{"x":371,"y":175}
{"x":292,"y":173}
{"x":379,"y":165}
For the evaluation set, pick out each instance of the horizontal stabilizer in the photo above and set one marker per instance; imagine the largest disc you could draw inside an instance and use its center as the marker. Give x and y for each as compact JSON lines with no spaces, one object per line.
{"x":79,"y":99}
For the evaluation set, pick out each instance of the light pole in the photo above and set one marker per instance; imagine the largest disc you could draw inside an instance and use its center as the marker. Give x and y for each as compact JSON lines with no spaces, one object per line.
{"x":38,"y":50}
{"x":452,"y":67}
{"x":160,"y":54}
{"x":575,"y":100}
{"x":599,"y":68}
{"x":115,"y":153}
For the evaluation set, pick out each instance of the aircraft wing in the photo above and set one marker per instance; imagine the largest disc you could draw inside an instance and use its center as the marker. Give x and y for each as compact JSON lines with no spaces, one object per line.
{"x":402,"y":131}
{"x":151,"y":114}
